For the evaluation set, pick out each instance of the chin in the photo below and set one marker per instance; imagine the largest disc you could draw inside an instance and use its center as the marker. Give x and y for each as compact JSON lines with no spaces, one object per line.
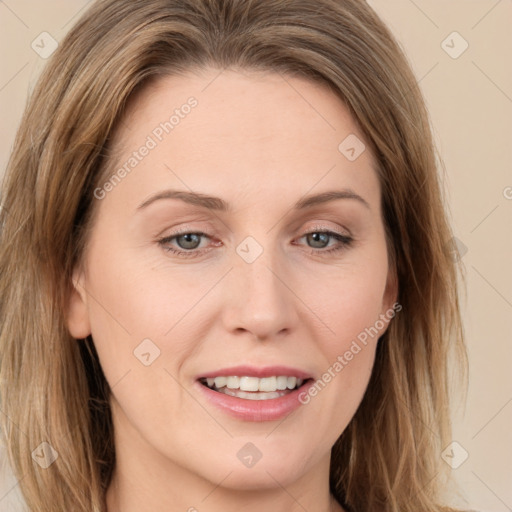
{"x":258,"y":477}
{"x":277,"y":466}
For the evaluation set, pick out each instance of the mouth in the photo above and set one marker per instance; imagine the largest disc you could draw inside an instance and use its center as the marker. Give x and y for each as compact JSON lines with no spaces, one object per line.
{"x":254,"y":388}
{"x":255,"y":393}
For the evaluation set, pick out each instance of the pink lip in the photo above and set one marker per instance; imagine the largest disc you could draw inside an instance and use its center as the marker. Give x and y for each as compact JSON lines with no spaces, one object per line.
{"x":252,"y":371}
{"x":256,"y":410}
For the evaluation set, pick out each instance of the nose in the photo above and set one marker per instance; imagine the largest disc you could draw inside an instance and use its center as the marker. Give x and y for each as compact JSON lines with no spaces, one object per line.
{"x":260,"y":299}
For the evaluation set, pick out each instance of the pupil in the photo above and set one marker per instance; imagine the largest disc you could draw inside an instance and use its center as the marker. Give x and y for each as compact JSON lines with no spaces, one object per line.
{"x":190,"y":238}
{"x":317,"y":236}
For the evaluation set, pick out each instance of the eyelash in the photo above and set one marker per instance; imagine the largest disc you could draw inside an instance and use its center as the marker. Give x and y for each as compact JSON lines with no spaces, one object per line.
{"x":345,"y":242}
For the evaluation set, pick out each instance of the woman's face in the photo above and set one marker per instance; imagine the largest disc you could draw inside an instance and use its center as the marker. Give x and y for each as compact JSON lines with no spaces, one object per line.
{"x":261,"y":299}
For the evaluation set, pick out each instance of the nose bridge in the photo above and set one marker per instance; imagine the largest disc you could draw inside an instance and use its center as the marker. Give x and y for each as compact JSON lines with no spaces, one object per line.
{"x":260,"y":301}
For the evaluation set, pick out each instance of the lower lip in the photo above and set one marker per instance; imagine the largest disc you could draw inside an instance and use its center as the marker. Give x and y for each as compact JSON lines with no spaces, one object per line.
{"x":255,"y":410}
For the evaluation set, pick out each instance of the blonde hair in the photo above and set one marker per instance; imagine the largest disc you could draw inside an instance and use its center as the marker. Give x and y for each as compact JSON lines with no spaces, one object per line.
{"x":53,"y":389}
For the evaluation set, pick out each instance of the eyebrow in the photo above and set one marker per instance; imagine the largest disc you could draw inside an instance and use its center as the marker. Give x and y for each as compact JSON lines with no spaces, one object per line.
{"x":218,"y":204}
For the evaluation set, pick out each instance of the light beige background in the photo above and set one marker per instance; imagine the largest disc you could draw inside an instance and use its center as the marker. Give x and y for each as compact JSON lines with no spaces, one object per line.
{"x":470,"y":100}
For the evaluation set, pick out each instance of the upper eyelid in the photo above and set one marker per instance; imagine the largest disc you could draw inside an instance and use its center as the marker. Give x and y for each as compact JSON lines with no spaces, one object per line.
{"x":317,"y":227}
{"x":320,"y":227}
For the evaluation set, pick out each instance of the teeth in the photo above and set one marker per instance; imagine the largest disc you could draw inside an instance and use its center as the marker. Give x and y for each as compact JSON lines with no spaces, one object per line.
{"x":254,"y":384}
{"x":268,"y":384}
{"x":282,"y":382}
{"x":220,"y":382}
{"x":233,"y":382}
{"x":253,"y":396}
{"x":249,"y":383}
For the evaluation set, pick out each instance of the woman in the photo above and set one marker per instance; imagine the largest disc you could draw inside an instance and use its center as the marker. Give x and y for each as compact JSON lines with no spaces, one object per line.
{"x":185,"y":174}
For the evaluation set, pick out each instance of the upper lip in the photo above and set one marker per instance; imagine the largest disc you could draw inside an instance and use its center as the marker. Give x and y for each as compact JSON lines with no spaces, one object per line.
{"x":260,"y":372}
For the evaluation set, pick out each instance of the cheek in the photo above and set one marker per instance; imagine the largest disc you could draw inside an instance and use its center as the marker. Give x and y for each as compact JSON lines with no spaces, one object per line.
{"x":145,"y":296}
{"x":147,"y":319}
{"x":349,"y":303}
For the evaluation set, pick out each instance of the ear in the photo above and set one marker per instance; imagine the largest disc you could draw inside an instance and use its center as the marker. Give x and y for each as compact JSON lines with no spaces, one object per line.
{"x":78,"y":313}
{"x":391,"y":291}
{"x":390,"y":305}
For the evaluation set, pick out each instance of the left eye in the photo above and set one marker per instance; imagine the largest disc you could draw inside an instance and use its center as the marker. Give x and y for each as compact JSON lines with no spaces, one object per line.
{"x":322,"y":238}
{"x":188,"y":242}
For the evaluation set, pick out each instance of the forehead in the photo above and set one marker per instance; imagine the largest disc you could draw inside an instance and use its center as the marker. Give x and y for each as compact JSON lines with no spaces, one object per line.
{"x":264,"y":104}
{"x":213,"y":130}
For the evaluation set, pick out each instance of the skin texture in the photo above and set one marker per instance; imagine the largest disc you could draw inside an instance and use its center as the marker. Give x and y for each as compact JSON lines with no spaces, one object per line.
{"x":261,"y":142}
